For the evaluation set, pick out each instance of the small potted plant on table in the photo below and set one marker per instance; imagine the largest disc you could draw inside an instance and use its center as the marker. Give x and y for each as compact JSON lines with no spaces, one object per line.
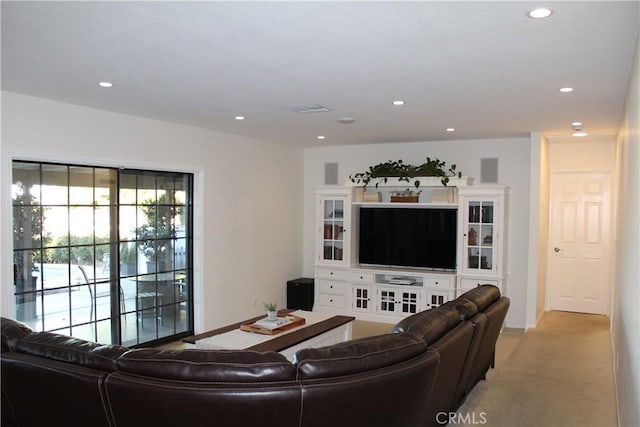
{"x":272,"y":311}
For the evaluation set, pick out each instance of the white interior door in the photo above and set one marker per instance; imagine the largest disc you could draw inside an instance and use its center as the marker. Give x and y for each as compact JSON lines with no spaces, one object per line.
{"x":580,"y":253}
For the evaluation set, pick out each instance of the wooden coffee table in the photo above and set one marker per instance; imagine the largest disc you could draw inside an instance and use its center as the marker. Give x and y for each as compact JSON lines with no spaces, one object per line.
{"x":320,"y":330}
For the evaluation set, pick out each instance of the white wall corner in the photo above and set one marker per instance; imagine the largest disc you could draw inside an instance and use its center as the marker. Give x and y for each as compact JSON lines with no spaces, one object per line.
{"x":534,"y":231}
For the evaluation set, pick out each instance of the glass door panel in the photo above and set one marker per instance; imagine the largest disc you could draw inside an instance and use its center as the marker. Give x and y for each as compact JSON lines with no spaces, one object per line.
{"x":486,"y":259}
{"x":480,"y":235}
{"x":333,"y":230}
{"x":487,"y":212}
{"x":487,"y":235}
{"x":78,"y":249}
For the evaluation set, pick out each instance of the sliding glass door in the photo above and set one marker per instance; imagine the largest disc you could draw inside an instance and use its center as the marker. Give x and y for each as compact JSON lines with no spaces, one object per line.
{"x":103,"y":254}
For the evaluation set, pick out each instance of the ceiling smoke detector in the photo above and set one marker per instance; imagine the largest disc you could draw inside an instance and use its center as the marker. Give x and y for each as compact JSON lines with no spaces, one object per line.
{"x":307,"y":108}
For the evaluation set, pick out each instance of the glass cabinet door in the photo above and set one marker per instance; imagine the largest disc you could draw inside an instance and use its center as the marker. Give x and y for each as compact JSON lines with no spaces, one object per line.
{"x":333,"y":230}
{"x":410,"y":302}
{"x":387,"y":300}
{"x":362,"y":298}
{"x":480,"y":235}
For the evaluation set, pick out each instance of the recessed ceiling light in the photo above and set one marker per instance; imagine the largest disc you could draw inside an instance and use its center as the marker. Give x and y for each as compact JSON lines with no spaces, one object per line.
{"x":566,"y":89}
{"x":576,"y":124}
{"x":539,"y":13}
{"x":579,"y":134}
{"x":398,"y":102}
{"x":105,"y":84}
{"x":320,"y":137}
{"x":451,"y":129}
{"x":239,"y":117}
{"x":346,"y":120}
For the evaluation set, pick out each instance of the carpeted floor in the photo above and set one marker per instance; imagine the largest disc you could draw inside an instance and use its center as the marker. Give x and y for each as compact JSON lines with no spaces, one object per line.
{"x":361,"y":329}
{"x":556,"y":375}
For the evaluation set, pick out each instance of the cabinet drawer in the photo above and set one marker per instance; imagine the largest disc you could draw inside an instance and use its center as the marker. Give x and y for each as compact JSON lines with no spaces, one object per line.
{"x":331,"y":287}
{"x":361,"y":277}
{"x":444,"y":283}
{"x":333,"y":273}
{"x":336,"y":301}
{"x":470,"y":283}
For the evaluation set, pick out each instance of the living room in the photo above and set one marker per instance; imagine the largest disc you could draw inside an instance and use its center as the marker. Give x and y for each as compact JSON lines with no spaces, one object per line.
{"x":254,"y":199}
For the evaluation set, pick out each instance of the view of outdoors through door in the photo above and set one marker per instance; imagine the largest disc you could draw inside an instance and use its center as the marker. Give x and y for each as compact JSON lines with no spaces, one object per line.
{"x":103,"y":254}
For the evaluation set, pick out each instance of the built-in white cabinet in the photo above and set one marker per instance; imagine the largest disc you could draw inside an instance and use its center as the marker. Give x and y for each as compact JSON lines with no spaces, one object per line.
{"x":401,"y":300}
{"x":333,"y":226}
{"x":362,"y":298}
{"x":331,"y":289}
{"x":390,"y":294}
{"x":481,"y":248}
{"x":380,"y":295}
{"x":437,"y":298}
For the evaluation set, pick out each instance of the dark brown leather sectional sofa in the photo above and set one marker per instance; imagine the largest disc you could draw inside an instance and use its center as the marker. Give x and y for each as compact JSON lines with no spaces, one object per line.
{"x":412,"y":377}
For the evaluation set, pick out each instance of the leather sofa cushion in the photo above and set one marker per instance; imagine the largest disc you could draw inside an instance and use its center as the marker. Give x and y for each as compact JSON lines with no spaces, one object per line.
{"x":71,"y":350}
{"x":430,"y":325}
{"x":12,"y":331}
{"x":357,"y":356}
{"x":208,"y":365}
{"x":465,"y":308}
{"x":482,"y":296}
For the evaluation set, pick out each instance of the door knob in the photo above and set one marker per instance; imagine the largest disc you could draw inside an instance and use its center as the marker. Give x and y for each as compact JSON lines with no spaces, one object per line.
{"x":557,"y":249}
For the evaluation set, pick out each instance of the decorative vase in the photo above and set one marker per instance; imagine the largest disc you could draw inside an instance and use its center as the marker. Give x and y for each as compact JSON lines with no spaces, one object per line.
{"x":272,"y":315}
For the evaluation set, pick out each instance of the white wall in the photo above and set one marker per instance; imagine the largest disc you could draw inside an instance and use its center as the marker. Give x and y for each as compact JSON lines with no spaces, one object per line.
{"x":598,"y":154}
{"x":538,"y":229}
{"x":625,"y":320}
{"x":248,"y":230}
{"x":513,"y":171}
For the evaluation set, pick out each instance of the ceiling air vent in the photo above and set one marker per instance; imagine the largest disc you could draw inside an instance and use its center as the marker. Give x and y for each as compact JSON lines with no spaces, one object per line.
{"x":308,"y":108}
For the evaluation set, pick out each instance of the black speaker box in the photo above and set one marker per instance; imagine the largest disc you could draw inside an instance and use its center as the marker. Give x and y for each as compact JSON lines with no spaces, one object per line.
{"x":300,"y":294}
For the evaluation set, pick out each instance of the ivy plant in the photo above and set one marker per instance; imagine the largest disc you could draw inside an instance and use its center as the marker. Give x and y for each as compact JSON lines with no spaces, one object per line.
{"x":406,"y":172}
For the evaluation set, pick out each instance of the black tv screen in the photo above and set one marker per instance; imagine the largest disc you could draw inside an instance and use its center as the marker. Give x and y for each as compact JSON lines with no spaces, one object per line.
{"x":408,"y":237}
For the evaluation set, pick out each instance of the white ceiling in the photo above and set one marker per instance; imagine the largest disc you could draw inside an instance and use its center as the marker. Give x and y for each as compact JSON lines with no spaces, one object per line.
{"x":484,"y":68}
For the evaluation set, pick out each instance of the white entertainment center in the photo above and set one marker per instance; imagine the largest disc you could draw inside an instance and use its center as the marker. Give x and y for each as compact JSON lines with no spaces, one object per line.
{"x":389,"y":293}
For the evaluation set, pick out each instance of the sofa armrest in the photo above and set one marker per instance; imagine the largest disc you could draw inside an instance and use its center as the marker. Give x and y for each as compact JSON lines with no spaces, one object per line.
{"x":12,"y":331}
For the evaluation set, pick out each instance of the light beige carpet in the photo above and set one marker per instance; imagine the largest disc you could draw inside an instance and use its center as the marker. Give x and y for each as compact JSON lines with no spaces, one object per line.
{"x":557,"y":375}
{"x":361,"y":329}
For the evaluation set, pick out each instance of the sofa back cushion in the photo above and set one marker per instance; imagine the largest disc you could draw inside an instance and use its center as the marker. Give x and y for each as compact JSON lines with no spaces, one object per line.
{"x":357,"y":356}
{"x":41,"y":391}
{"x":71,"y":350}
{"x":465,"y":308}
{"x":482,"y":296}
{"x":430,"y":325}
{"x":483,"y":356}
{"x":453,"y":348}
{"x":12,"y":331}
{"x":137,"y":400}
{"x":208,"y":365}
{"x":395,"y":395}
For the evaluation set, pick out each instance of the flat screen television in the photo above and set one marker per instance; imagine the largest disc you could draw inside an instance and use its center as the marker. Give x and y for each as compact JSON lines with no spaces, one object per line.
{"x":408,"y":237}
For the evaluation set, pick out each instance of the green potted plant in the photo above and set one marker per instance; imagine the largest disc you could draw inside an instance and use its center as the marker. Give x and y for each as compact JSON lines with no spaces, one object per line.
{"x":406,"y":172}
{"x":272,"y":310}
